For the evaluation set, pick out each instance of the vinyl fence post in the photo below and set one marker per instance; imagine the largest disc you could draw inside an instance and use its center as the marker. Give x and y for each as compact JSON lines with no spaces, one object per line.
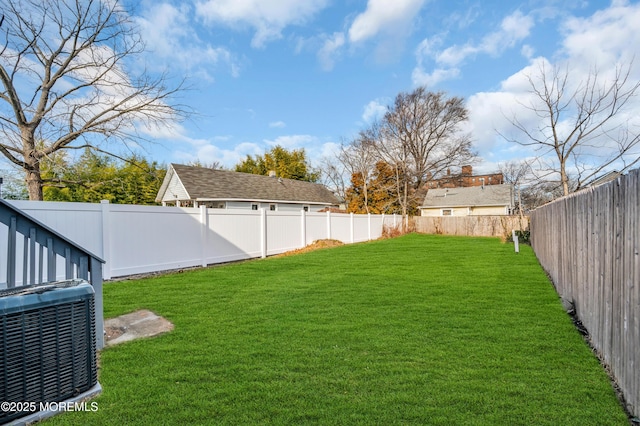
{"x":369,"y":226}
{"x":204,"y":232}
{"x":328,"y":225}
{"x":303,"y":228}
{"x":263,"y":232}
{"x":96,"y":283}
{"x":351,"y":226}
{"x":105,"y":218}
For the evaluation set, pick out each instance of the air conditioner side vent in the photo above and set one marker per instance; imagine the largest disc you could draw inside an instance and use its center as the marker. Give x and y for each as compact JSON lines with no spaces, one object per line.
{"x":47,"y":345}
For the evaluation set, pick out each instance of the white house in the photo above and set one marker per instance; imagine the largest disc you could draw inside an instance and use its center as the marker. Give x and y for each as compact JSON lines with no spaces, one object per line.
{"x":468,"y":201}
{"x":190,"y":186}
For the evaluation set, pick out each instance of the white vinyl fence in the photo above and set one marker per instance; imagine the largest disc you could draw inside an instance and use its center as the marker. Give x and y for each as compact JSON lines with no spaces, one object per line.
{"x":142,"y":239}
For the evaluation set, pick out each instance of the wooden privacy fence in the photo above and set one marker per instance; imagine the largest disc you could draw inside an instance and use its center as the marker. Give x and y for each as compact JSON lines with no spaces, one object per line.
{"x":589,"y":245}
{"x":473,"y":226}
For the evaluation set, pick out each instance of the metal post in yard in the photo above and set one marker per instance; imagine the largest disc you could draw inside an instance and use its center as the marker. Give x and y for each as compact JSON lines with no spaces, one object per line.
{"x":516,"y":244}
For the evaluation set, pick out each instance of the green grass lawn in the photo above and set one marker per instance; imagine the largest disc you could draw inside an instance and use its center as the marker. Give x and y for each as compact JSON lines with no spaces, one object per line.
{"x":415,"y":330}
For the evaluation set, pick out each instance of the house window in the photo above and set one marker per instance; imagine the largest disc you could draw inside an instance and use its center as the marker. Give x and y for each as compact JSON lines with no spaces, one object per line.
{"x":447,"y":212}
{"x":272,"y":207}
{"x":254,"y":206}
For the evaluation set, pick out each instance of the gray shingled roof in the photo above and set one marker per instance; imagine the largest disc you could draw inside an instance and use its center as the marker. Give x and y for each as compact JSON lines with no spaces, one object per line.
{"x":489,"y":195}
{"x":209,"y":184}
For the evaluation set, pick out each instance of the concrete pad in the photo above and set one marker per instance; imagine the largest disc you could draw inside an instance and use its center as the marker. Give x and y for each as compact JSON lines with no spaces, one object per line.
{"x":139,"y":324}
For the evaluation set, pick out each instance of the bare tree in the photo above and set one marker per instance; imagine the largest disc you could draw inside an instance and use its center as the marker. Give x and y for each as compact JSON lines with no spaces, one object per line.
{"x":359,"y":158}
{"x":581,"y":127}
{"x":333,"y":175}
{"x":392,"y":151}
{"x":539,"y":193}
{"x":65,"y":84}
{"x":421,"y":135}
{"x":516,"y":173}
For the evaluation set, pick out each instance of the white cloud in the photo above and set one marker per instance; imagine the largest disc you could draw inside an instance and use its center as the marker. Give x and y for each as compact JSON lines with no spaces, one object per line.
{"x":207,"y":153}
{"x":527,"y":51}
{"x":374,"y":110}
{"x":267,"y":19}
{"x":464,"y":20}
{"x":292,"y":141}
{"x":607,"y":37}
{"x":384,"y":16}
{"x":602,"y":42}
{"x":421,"y":78}
{"x":277,"y":124}
{"x":329,"y":150}
{"x":171,"y":38}
{"x":513,"y":29}
{"x":330,"y":50}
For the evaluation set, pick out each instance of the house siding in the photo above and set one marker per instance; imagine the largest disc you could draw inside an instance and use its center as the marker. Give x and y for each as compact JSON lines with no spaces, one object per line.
{"x":175,"y":191}
{"x":489,"y":211}
{"x":466,"y":211}
{"x":188,"y":186}
{"x":280,"y":206}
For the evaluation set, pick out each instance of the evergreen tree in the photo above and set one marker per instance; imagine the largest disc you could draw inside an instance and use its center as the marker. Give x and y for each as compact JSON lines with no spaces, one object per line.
{"x":286,"y":164}
{"x":93,"y":178}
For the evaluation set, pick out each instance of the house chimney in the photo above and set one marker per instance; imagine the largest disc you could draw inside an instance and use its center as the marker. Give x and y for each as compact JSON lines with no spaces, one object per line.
{"x":272,"y":173}
{"x":467,"y":170}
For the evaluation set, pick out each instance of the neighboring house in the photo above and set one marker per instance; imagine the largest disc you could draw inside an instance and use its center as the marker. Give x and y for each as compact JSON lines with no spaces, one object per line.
{"x":189,"y":186}
{"x":607,"y":177}
{"x":471,"y":201}
{"x":465,"y":179}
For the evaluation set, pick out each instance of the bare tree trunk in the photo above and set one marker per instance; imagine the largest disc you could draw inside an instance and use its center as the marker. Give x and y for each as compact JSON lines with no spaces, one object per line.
{"x":34,"y":183}
{"x":404,"y":206}
{"x":64,"y":76}
{"x":564,"y":179}
{"x":365,"y":192}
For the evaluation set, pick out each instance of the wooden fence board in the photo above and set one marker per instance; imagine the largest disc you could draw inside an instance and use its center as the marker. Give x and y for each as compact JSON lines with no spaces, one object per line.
{"x":589,"y":244}
{"x":473,"y":226}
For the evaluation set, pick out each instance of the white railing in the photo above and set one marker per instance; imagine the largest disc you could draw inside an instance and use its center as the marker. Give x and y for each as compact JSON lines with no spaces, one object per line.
{"x":143,"y":239}
{"x":34,"y":253}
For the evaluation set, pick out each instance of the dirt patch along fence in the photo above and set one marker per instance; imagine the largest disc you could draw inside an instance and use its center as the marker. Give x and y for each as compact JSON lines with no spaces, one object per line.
{"x":473,"y":226}
{"x":589,"y":244}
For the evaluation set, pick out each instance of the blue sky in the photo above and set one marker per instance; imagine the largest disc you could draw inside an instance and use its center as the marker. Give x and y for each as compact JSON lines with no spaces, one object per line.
{"x":310,"y":74}
{"x":313,"y":73}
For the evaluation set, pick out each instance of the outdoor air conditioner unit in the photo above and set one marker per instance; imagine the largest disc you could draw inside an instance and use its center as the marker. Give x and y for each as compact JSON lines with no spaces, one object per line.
{"x":47,"y":346}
